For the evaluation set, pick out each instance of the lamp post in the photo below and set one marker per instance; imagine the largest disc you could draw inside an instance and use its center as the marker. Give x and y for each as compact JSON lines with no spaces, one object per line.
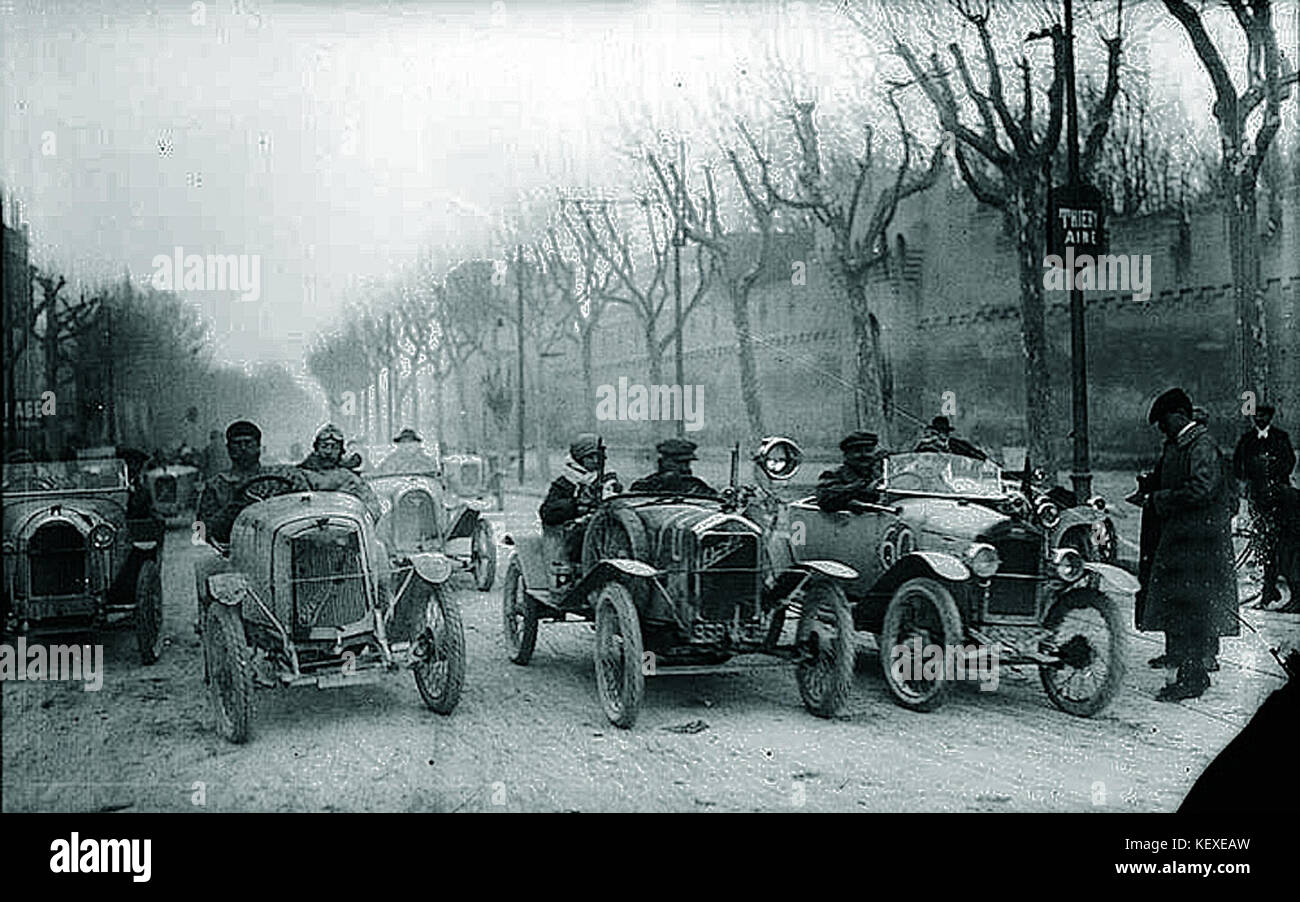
{"x":679,"y":239}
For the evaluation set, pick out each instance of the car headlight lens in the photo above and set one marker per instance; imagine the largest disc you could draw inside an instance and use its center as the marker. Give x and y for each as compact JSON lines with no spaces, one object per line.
{"x":982,"y":559}
{"x":101,"y":536}
{"x":1098,"y":502}
{"x":1068,"y":563}
{"x":1049,"y":514}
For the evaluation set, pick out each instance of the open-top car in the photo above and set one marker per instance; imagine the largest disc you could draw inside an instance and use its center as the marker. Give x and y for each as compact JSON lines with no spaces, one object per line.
{"x":421,"y":514}
{"x":1071,"y":522}
{"x":308,"y":596}
{"x":681,"y":584}
{"x":73,"y":560}
{"x":948,"y":556}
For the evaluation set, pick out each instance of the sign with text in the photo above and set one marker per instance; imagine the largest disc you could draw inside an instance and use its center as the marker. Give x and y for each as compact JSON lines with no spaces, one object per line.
{"x":1076,"y":217}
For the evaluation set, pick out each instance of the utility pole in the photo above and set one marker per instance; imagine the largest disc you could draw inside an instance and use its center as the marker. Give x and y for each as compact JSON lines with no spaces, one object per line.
{"x":679,"y":239}
{"x":519,"y":332}
{"x":1082,"y":475}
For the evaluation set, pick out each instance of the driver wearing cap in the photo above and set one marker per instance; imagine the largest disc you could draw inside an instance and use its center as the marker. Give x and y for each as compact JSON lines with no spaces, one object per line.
{"x":857,"y":478}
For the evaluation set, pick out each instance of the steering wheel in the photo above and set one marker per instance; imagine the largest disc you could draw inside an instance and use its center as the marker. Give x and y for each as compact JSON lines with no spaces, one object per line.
{"x":276,"y":485}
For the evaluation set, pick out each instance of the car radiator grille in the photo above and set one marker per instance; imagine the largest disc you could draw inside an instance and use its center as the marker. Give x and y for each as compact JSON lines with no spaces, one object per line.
{"x":328,"y":582}
{"x":57,"y":561}
{"x":727,"y":567}
{"x":164,"y":489}
{"x":1014,"y":589}
{"x":414,"y":520}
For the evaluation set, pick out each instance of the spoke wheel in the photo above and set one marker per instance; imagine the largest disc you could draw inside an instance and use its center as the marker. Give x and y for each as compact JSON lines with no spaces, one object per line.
{"x":148,"y":612}
{"x":228,"y":666}
{"x":825,"y":635}
{"x":620,"y":681}
{"x":483,"y":556}
{"x":439,"y":666}
{"x":921,"y":609}
{"x":1088,"y":637}
{"x":518,"y":615}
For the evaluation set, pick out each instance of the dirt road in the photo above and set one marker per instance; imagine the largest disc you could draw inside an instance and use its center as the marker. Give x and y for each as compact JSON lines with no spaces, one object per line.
{"x":533,"y":738}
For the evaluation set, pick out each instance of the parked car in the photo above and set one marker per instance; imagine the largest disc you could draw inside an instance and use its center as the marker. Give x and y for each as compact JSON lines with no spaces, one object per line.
{"x":310,"y":597}
{"x":681,"y":584}
{"x":1085,"y":526}
{"x":949,"y":556}
{"x":175,"y":488}
{"x":73,"y":560}
{"x":421,"y":514}
{"x":469,"y":488}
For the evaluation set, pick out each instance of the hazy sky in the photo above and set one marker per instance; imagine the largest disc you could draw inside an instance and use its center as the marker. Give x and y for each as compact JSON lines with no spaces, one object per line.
{"x":334,"y":139}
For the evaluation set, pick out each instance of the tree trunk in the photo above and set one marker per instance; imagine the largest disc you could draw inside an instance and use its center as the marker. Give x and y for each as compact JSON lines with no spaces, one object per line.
{"x":749,"y":387}
{"x":1028,"y":219}
{"x":539,"y":425}
{"x":588,"y":381}
{"x":868,"y":368}
{"x":439,"y":422}
{"x":1248,"y":298}
{"x":463,"y":435}
{"x":415,"y":400}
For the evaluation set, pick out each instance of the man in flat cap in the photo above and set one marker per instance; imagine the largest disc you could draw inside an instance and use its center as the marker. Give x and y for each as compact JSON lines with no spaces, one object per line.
{"x":856,"y":478}
{"x":674,"y":473}
{"x":223,"y":498}
{"x":409,"y":456}
{"x":1191,"y":590}
{"x":575,"y":493}
{"x":1262,"y":462}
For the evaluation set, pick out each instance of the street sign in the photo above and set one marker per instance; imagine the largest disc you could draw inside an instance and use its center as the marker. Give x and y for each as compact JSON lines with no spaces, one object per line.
{"x":1076,"y":217}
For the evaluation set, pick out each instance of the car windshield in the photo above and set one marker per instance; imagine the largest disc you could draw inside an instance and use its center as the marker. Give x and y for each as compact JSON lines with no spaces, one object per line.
{"x":65,"y":476}
{"x":929,"y":473}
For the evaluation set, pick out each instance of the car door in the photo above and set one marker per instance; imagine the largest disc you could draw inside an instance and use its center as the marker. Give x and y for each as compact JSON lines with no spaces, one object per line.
{"x":850,"y":537}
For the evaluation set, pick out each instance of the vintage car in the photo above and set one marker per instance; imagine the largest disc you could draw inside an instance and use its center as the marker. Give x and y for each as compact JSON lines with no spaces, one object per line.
{"x":308,"y":596}
{"x":73,"y":560}
{"x":1086,"y":527}
{"x":948,"y":556}
{"x":175,"y":488}
{"x":680,"y":584}
{"x":421,"y":514}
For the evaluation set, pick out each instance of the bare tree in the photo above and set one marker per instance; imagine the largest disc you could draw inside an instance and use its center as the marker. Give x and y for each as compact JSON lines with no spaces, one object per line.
{"x":1268,"y":82}
{"x":1005,"y":161}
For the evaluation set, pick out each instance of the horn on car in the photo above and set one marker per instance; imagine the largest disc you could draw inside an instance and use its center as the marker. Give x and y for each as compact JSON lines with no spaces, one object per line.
{"x":778,"y":457}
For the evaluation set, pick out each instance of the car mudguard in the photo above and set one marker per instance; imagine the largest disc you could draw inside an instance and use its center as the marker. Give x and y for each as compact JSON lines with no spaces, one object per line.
{"x":464,"y":524}
{"x":935,"y":564}
{"x":230,"y":589}
{"x":431,"y":567}
{"x":832,"y":569}
{"x":1111,"y":579}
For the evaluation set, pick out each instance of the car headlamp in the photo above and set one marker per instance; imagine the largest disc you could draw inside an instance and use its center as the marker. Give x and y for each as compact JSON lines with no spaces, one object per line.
{"x":1068,"y":564}
{"x":1098,"y":502}
{"x":101,"y":536}
{"x":982,"y":559}
{"x":1049,"y":514}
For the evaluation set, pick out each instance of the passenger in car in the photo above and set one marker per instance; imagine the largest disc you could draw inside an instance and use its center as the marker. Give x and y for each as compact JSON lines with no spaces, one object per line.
{"x":938,"y":437}
{"x":409,"y":456}
{"x":674,"y":474}
{"x":326,"y":470}
{"x":581,"y":485}
{"x":857,"y":478}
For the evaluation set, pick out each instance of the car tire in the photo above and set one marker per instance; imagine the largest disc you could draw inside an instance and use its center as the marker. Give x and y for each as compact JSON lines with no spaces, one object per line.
{"x":620,"y":680}
{"x":1051,"y":675}
{"x":440,"y":674}
{"x":940,"y":622}
{"x":518,"y":616}
{"x":228,"y":669}
{"x":148,"y":611}
{"x":483,"y":556}
{"x":825,"y":681}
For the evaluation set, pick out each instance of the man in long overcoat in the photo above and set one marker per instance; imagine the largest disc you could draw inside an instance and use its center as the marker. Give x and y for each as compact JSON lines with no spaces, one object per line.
{"x":1191,"y":593}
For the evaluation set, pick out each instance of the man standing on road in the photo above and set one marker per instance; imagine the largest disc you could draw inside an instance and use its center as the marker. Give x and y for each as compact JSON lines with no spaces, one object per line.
{"x":856,"y":478}
{"x":1192,"y":590}
{"x":1263,"y":461}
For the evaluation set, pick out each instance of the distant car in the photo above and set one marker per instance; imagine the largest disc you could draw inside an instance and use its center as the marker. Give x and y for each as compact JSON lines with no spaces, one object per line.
{"x":311,"y":595}
{"x":681,"y":584}
{"x":1085,"y":526}
{"x":175,"y":488}
{"x":950,"y":556}
{"x":421,"y":514}
{"x":72,"y":559}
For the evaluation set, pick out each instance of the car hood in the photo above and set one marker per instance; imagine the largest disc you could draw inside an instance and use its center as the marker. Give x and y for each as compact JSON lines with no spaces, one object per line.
{"x":948,"y":517}
{"x":86,"y":511}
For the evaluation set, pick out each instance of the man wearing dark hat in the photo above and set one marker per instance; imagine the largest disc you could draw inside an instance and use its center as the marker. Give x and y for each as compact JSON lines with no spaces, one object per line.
{"x":409,"y":456}
{"x":581,"y":485}
{"x":1191,"y":592}
{"x":674,"y":474}
{"x":938,"y":437}
{"x":856,"y":478}
{"x":1263,"y":461}
{"x":223,"y":497}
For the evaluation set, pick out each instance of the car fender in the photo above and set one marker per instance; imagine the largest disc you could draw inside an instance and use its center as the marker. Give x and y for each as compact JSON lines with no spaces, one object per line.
{"x":832,"y":569}
{"x":431,"y":567}
{"x":630,"y":567}
{"x":935,"y":564}
{"x":465,"y":522}
{"x":1083,"y":515}
{"x":230,"y":589}
{"x":1111,"y":579}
